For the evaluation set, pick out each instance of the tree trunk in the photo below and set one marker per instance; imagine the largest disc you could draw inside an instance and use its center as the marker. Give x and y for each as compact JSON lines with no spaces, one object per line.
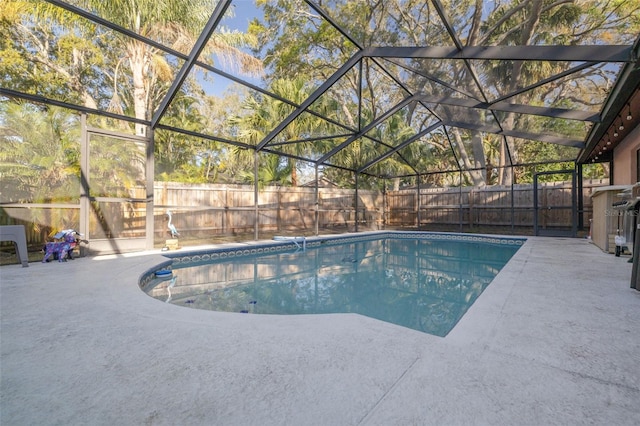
{"x":294,"y":172}
{"x":516,"y":73}
{"x":478,"y":177}
{"x":138,"y":64}
{"x":504,"y":173}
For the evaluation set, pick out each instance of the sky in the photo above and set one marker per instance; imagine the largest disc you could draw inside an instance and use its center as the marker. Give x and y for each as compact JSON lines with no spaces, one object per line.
{"x":243,"y":12}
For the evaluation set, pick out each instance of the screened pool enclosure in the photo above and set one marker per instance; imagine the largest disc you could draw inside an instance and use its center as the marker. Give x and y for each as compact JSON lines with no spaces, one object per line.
{"x":261,"y":117}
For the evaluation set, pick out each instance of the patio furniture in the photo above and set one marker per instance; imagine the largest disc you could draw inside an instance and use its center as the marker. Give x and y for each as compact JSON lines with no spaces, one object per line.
{"x":16,"y":233}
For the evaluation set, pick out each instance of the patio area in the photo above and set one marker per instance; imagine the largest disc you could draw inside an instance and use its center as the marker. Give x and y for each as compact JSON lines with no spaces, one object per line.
{"x":554,"y":339}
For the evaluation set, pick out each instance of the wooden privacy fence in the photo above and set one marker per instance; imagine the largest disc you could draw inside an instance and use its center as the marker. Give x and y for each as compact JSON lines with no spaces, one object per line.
{"x":488,"y":206}
{"x":204,"y":210}
{"x":230,"y":209}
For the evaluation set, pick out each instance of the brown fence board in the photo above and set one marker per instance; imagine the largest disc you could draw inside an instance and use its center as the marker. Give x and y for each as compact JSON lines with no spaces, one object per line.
{"x":208,"y":209}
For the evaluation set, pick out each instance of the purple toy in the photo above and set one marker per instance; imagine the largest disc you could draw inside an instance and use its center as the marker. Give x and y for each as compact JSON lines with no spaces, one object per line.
{"x":62,"y":247}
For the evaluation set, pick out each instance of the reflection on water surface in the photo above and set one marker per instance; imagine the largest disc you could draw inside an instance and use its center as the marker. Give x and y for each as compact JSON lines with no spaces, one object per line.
{"x":423,"y":284}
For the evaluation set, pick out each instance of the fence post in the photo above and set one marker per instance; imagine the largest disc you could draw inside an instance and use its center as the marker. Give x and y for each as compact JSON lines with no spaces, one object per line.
{"x":226,"y":226}
{"x":255,"y":195}
{"x":535,"y":204}
{"x":471,"y":207}
{"x":580,"y":195}
{"x":384,"y":204}
{"x":574,"y":205}
{"x":460,"y":202}
{"x":356,"y":204}
{"x":513,"y":210}
{"x":149,"y":184}
{"x":278,"y":207}
{"x":418,"y":202}
{"x":316,"y":201}
{"x":85,"y":203}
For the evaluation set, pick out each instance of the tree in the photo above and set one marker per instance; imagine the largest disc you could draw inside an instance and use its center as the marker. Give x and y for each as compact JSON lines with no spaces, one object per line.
{"x":63,"y":56}
{"x":41,"y":57}
{"x":536,"y":22}
{"x":176,"y":24}
{"x":478,"y":22}
{"x":67,"y":57}
{"x":40,"y":161}
{"x":263,"y":113}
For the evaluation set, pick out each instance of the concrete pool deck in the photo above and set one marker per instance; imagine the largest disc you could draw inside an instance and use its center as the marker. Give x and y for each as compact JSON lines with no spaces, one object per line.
{"x":554,"y":339}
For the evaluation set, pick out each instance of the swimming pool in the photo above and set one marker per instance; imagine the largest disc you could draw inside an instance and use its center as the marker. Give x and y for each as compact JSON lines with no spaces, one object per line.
{"x":423,"y":281}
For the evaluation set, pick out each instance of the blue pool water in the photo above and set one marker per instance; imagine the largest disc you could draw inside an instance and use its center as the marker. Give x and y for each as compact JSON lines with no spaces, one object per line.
{"x":422,"y":282}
